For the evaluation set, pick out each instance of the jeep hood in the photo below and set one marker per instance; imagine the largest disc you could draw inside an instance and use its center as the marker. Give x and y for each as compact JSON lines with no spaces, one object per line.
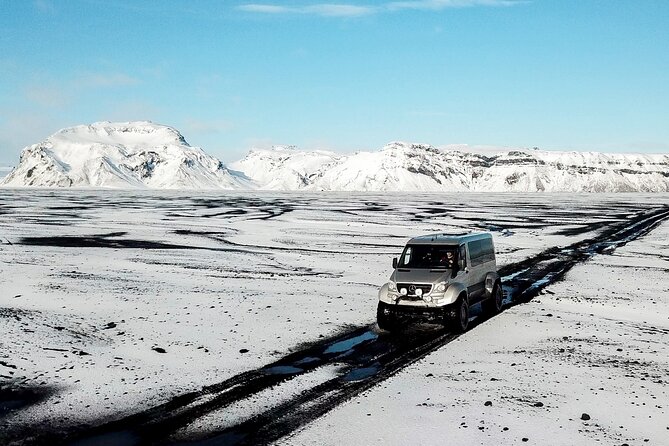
{"x":420,"y":275}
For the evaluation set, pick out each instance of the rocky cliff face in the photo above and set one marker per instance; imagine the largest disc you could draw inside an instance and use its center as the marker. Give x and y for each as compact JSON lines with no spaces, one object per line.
{"x":418,"y":167}
{"x":121,"y":155}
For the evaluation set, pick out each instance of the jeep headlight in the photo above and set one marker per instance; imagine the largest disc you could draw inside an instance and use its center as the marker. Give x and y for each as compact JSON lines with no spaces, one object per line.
{"x":392,"y":286}
{"x":440,"y":288}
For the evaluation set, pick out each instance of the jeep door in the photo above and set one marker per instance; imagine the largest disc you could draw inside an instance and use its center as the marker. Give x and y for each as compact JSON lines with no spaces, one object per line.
{"x":464,"y":275}
{"x":477,"y":271}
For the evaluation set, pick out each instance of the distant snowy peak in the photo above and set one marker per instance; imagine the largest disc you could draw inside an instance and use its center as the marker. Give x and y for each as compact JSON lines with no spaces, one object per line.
{"x":121,"y":155}
{"x":403,"y":166}
{"x":284,"y":167}
{"x":136,"y":133}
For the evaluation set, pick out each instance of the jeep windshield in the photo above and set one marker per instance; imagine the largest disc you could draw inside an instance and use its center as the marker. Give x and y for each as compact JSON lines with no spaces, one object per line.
{"x":428,"y":257}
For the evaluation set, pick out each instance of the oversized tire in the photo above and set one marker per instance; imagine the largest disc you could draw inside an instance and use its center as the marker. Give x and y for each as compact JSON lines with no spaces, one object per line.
{"x":493,"y":304}
{"x":460,"y":321}
{"x":386,"y":322}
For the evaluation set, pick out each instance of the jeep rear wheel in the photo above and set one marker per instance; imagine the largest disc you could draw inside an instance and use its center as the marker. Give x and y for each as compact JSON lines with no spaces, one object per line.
{"x":493,"y":304}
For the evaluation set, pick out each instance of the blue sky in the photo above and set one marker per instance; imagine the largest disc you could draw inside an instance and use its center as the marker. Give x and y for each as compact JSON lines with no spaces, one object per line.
{"x":557,"y":74}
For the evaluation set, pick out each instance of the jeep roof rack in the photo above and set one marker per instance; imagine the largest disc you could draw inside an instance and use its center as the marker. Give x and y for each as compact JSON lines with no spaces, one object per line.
{"x":448,"y":239}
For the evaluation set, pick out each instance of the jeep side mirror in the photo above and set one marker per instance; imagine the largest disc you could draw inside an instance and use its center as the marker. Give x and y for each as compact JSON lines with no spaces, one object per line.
{"x":461,"y":264}
{"x":394,"y":262}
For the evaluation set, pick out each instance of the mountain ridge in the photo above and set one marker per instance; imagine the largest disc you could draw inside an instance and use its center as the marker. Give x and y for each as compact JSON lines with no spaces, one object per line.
{"x":142,"y":154}
{"x":422,"y":167}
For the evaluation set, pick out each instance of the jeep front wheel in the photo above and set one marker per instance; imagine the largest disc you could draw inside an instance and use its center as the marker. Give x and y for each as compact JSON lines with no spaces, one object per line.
{"x":386,"y":320}
{"x":461,"y":320}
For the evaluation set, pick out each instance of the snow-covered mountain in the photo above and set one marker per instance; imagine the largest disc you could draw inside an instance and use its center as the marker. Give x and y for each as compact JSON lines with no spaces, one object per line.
{"x":418,"y":167}
{"x":144,"y":154}
{"x":121,"y":155}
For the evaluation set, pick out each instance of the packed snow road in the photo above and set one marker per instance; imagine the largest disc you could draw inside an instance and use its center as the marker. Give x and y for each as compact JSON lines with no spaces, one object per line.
{"x":262,"y":403}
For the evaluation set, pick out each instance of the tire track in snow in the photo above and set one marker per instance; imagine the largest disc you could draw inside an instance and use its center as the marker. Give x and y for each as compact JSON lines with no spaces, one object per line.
{"x":364,"y":356}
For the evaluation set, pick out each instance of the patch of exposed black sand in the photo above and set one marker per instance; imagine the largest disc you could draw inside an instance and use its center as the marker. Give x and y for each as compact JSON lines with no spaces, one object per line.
{"x":581,"y":229}
{"x":266,"y":214}
{"x":113,"y":234}
{"x":69,"y":208}
{"x":231,"y":212}
{"x":14,"y":398}
{"x":374,"y":245}
{"x":105,"y":241}
{"x":97,"y":242}
{"x":273,"y":213}
{"x":203,"y":233}
{"x":14,"y":313}
{"x":239,"y":206}
{"x":235,"y":202}
{"x":592,"y":226}
{"x":44,"y":221}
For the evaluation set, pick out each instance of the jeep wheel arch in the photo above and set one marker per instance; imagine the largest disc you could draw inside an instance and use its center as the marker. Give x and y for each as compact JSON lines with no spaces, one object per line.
{"x":491,"y":279}
{"x":454,"y":291}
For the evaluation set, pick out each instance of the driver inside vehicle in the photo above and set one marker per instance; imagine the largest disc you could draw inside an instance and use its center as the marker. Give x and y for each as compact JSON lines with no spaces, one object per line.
{"x":447,"y":259}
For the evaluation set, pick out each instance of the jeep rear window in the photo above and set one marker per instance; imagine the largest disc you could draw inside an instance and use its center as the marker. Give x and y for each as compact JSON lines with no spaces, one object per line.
{"x":428,"y":256}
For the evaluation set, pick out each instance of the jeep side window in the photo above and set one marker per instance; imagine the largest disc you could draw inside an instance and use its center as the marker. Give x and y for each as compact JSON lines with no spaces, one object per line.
{"x":406,"y":258}
{"x":474,"y":252}
{"x":462,"y":257}
{"x":488,"y":251}
{"x":481,"y":251}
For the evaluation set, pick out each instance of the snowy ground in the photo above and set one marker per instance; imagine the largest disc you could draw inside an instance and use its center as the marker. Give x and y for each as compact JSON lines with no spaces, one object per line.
{"x":596,"y":343}
{"x":111,"y":302}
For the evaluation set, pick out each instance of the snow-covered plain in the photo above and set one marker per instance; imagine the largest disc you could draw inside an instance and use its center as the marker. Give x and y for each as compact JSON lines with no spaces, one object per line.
{"x":596,"y":343}
{"x":114,"y":301}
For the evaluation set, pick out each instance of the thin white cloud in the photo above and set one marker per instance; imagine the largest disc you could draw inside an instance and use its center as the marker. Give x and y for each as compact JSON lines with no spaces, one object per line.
{"x":265,"y":9}
{"x":320,"y":9}
{"x":339,"y":10}
{"x":437,"y":5}
{"x":351,"y":10}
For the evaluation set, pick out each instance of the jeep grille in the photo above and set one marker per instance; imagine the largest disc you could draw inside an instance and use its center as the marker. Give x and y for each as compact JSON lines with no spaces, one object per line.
{"x":426,"y":287}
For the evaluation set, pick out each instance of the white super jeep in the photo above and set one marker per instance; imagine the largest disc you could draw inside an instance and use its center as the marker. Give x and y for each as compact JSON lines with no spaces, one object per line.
{"x":441,"y":276}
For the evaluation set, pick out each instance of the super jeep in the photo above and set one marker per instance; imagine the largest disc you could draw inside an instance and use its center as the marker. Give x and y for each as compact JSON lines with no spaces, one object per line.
{"x":440,"y":277}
